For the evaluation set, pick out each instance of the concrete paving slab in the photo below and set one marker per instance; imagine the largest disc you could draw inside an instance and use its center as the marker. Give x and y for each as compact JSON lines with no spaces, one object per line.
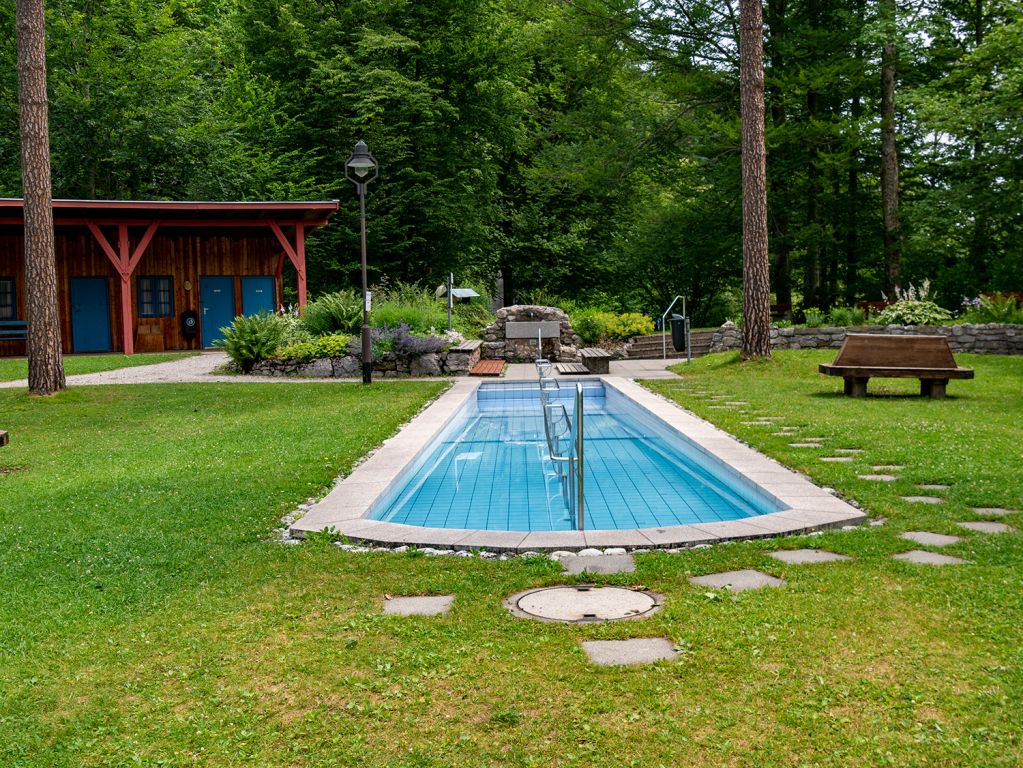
{"x":878,"y":478}
{"x":987,"y":526}
{"x":922,"y":499}
{"x":600,"y":564}
{"x":646,"y":650}
{"x":932,"y":486}
{"x":837,"y":459}
{"x":887,"y":467}
{"x":994,"y":511}
{"x":805,"y":445}
{"x":737,"y":581}
{"x":929,"y":539}
{"x":802,"y":556}
{"x":616,"y":538}
{"x":928,"y":558}
{"x":426,"y":605}
{"x":851,"y":451}
{"x":549,"y":540}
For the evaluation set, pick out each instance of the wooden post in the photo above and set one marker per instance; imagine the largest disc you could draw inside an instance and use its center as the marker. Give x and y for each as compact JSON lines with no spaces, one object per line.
{"x":125,"y":260}
{"x":296,"y":253}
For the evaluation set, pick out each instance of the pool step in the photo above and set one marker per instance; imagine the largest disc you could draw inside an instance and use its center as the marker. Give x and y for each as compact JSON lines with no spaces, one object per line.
{"x":487,"y":368}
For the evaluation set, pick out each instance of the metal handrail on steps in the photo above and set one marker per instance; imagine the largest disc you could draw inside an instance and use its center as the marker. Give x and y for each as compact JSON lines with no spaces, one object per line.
{"x":572,"y":458}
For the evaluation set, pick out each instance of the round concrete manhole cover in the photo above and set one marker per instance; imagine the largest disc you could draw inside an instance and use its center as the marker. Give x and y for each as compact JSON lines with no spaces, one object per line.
{"x":583,"y":603}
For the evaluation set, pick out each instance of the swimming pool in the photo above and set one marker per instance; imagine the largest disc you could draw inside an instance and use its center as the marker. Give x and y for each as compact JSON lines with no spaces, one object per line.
{"x":753,"y":484}
{"x":488,"y":469}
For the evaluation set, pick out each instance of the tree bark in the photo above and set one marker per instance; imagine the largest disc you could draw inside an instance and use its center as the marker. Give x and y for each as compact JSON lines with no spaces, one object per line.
{"x":890,"y":160}
{"x":45,"y":361}
{"x":756,"y":293}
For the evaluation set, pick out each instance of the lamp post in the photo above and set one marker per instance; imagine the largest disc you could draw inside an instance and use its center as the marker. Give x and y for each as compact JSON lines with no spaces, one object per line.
{"x":360,"y":169}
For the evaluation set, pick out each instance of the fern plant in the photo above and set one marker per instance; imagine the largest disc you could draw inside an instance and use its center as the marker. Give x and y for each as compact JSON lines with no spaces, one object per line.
{"x":250,"y":340}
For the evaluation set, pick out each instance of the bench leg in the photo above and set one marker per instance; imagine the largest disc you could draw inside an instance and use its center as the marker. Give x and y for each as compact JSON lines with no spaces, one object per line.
{"x":856,"y":386}
{"x":933,"y":388}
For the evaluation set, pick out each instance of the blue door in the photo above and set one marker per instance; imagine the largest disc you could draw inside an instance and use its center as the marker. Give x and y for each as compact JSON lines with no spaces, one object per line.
{"x":258,"y":295}
{"x":90,"y":314}
{"x":216,"y":298}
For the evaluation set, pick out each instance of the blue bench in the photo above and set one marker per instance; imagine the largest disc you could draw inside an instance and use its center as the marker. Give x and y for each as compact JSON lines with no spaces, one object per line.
{"x":13,"y":330}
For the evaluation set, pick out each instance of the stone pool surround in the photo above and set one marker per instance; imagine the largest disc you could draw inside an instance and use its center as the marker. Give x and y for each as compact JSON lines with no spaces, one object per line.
{"x":806,"y":507}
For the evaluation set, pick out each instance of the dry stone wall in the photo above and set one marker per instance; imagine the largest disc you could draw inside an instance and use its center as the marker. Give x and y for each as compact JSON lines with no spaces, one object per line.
{"x":991,"y":338}
{"x":512,"y":336}
{"x":455,"y":361}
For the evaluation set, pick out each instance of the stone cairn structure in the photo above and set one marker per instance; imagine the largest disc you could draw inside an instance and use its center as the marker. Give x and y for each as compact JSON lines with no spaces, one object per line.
{"x":989,"y":338}
{"x":512,"y":336}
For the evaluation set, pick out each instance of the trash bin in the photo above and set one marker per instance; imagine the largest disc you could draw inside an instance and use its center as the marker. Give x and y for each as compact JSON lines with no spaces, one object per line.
{"x":679,"y":332}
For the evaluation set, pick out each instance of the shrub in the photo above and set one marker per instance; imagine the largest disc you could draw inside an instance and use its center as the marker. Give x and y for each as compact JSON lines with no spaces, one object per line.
{"x":334,"y":345}
{"x":250,"y":340}
{"x":847,"y":316}
{"x":339,"y":312}
{"x":630,"y":324}
{"x":914,"y":312}
{"x":993,"y":309}
{"x":814,"y":317}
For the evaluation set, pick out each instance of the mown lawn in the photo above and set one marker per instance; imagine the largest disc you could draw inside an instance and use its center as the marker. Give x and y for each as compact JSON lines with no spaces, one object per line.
{"x":15,"y":368}
{"x":150,"y":620}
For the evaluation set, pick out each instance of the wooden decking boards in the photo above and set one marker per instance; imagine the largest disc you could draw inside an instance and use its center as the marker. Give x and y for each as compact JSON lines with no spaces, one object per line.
{"x":487,"y":368}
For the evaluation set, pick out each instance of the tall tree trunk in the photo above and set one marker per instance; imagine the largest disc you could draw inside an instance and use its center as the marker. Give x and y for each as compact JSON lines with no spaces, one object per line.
{"x":852,"y":245}
{"x":756,"y":293}
{"x":890,"y":159}
{"x":45,"y":362}
{"x":812,"y":293}
{"x":781,"y":277}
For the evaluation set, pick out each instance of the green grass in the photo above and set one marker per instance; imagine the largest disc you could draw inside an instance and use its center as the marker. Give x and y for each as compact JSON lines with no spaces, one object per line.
{"x":149,"y":619}
{"x":16,"y":368}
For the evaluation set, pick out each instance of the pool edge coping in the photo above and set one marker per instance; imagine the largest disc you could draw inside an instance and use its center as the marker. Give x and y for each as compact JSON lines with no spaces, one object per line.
{"x":807,"y":507}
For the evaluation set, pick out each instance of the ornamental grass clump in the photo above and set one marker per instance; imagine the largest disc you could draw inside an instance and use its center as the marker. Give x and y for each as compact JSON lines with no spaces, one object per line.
{"x":339,"y":312}
{"x":250,"y":340}
{"x":993,"y":308}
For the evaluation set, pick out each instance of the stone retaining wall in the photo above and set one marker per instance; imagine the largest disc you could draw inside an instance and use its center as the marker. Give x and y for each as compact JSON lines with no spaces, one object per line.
{"x":498,"y":346}
{"x":991,"y":338}
{"x":454,"y":362}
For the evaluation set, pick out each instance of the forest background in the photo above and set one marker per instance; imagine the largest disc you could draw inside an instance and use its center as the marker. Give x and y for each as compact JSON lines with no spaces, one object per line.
{"x":585,"y":149}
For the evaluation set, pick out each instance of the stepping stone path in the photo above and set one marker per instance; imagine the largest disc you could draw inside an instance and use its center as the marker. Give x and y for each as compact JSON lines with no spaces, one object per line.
{"x":929,"y":539}
{"x":801,"y":556}
{"x":601,"y":564}
{"x":757,"y":424}
{"x":851,"y":451}
{"x":886,"y":467}
{"x":430,"y":605}
{"x":932,"y":487}
{"x":922,"y":499}
{"x":994,"y":511}
{"x":645,"y":650}
{"x":928,"y":558}
{"x":878,"y":478}
{"x":836,"y":458}
{"x":737,"y":581}
{"x":736,"y":402}
{"x":987,"y":526}
{"x":805,"y":445}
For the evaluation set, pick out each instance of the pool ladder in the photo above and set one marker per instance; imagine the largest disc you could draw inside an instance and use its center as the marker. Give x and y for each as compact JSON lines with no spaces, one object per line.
{"x":564,"y":439}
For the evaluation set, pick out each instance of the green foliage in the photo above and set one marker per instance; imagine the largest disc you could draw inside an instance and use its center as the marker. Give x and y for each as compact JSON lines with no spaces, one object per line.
{"x":847,"y":316}
{"x":814,"y":317}
{"x":993,"y":309}
{"x":250,"y":340}
{"x":420,"y":315}
{"x":595,"y":327}
{"x":332,"y":345}
{"x":339,"y":312}
{"x":910,"y":312}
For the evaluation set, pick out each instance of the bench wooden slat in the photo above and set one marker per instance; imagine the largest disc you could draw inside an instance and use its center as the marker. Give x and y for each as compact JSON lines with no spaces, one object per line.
{"x":487,"y":368}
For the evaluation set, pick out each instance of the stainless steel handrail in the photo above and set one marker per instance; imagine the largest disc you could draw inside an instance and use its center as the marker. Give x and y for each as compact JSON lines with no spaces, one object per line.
{"x":573,"y":456}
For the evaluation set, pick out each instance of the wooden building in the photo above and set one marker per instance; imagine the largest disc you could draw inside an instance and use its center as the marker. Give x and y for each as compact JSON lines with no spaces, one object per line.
{"x":151,"y":276}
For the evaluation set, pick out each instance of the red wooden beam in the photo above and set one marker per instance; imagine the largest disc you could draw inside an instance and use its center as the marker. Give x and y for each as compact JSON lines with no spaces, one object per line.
{"x":254,"y":223}
{"x":296,"y":253}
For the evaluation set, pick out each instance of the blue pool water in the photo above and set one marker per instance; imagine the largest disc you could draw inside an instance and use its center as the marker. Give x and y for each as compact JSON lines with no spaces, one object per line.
{"x":489,"y":469}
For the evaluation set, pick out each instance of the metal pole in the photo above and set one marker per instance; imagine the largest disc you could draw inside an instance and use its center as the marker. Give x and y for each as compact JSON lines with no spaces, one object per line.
{"x":451,"y":282}
{"x":367,"y":345}
{"x":581,"y":524}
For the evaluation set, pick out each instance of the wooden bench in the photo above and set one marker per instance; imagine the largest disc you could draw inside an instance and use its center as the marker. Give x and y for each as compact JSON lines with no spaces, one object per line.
{"x":595,"y":359}
{"x":13,"y":330}
{"x":865,"y":355}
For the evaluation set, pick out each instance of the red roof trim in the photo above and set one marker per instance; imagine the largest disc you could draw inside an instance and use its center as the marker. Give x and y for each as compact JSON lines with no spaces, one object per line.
{"x":184,"y":205}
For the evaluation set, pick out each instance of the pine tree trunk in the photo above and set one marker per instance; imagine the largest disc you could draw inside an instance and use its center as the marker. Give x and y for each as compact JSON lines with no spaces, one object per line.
{"x":890,"y":162}
{"x":756,"y":293}
{"x":45,"y":361}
